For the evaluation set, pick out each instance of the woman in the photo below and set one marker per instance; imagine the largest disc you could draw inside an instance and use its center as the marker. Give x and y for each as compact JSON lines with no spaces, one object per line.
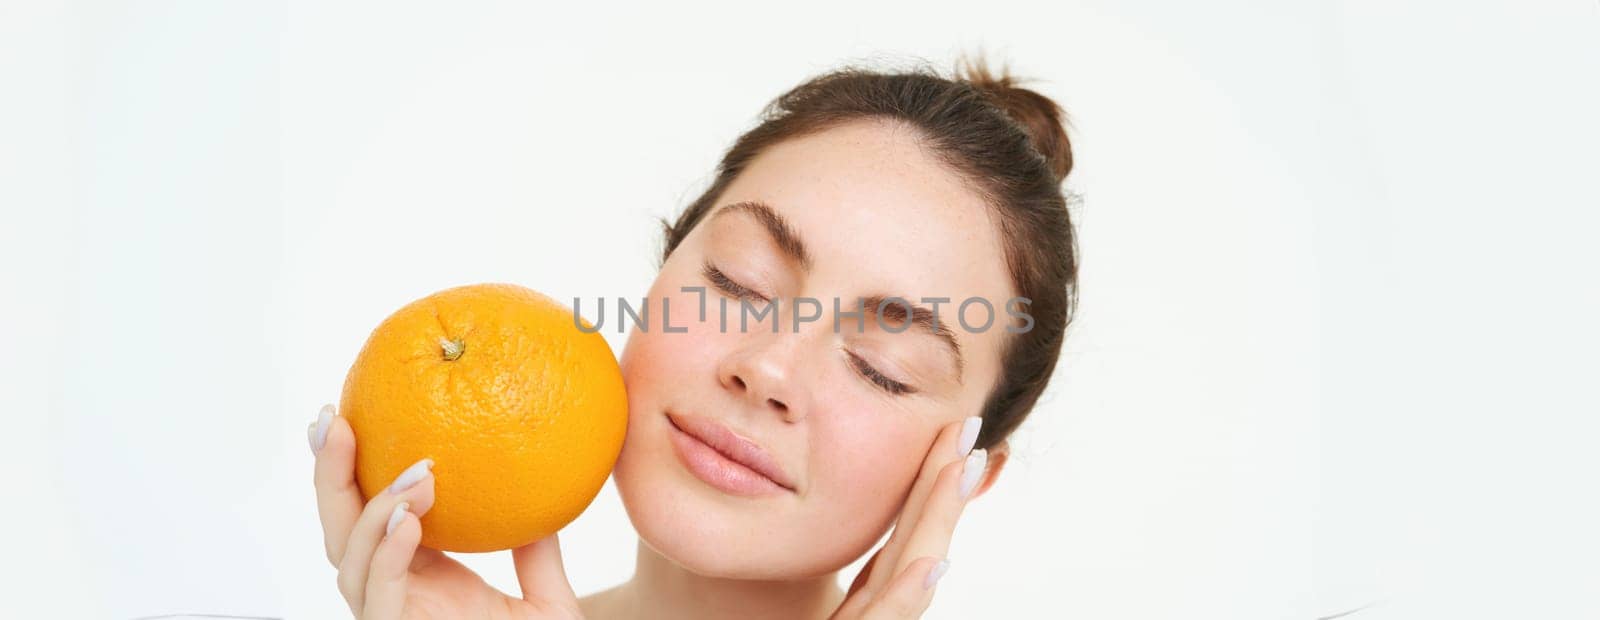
{"x":906,"y":189}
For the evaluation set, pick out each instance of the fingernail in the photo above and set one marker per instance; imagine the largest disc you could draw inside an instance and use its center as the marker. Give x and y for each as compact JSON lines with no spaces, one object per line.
{"x":318,"y":433}
{"x":969,"y":435}
{"x":395,"y":517}
{"x":972,"y":471}
{"x":936,"y":573}
{"x":411,"y":476}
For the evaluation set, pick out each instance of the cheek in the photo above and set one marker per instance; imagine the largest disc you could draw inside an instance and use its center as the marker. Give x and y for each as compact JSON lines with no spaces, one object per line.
{"x":868,"y":458}
{"x":663,"y":369}
{"x":657,"y":364}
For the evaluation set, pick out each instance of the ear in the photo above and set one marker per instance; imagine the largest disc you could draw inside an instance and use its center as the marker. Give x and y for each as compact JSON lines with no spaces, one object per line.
{"x":998,"y":455}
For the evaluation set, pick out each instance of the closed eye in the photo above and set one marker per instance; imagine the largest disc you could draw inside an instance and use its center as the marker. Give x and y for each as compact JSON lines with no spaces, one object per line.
{"x":726,"y":284}
{"x":877,"y":378}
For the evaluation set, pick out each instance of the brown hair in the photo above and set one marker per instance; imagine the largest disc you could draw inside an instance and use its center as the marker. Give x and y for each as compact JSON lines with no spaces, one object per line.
{"x":1007,"y":142}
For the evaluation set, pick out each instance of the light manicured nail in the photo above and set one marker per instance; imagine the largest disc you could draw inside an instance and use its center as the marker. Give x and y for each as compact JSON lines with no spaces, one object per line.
{"x":319,"y":432}
{"x":395,"y":517}
{"x":936,"y":573}
{"x":969,"y":435}
{"x":972,"y":471}
{"x":411,"y":476}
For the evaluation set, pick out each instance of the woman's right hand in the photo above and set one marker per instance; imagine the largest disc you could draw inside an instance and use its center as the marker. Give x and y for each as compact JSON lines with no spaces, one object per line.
{"x":383,"y":573}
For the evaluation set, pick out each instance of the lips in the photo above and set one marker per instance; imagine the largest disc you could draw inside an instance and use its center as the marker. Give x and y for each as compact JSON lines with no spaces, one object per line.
{"x":723,"y":459}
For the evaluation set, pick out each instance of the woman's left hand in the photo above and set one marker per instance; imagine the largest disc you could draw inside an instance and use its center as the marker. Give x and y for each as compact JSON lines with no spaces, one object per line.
{"x":898,"y":581}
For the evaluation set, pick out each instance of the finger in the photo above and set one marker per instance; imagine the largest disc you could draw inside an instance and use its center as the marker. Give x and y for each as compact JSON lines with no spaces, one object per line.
{"x":338,"y":497}
{"x":854,"y":603}
{"x":386,"y":580}
{"x":910,"y":592}
{"x":932,"y":535}
{"x":861,"y":576}
{"x":952,"y":444}
{"x":413,"y":487}
{"x":542,"y":574}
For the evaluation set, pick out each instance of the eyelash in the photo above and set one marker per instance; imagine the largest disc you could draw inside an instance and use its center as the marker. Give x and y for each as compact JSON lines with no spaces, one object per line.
{"x":877,"y":378}
{"x":867,"y":372}
{"x":727,"y":285}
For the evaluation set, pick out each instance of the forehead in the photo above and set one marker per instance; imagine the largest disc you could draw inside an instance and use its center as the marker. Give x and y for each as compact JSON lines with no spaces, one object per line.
{"x":880,"y":214}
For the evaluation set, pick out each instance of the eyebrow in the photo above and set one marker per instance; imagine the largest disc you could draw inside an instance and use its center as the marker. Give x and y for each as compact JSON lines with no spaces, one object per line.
{"x":777,"y":226}
{"x":922,"y":317}
{"x":788,"y":240}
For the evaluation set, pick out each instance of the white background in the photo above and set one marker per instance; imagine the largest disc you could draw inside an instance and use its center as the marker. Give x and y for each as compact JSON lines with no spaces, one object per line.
{"x":1337,"y":342}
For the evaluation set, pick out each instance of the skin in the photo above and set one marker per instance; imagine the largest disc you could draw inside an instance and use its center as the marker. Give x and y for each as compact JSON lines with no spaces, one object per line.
{"x":877,"y":215}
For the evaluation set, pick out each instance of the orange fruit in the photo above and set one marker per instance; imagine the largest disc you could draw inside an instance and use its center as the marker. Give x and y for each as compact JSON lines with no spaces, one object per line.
{"x":522,"y":413}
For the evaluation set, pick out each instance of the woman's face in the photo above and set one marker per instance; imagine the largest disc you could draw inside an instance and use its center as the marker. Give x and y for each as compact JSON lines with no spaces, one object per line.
{"x":874,"y":216}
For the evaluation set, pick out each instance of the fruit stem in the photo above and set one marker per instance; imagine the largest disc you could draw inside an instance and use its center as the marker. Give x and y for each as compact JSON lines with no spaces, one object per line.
{"x":452,"y":348}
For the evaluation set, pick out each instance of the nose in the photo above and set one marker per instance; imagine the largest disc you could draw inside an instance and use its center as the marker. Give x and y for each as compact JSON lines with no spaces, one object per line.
{"x":762,"y":374}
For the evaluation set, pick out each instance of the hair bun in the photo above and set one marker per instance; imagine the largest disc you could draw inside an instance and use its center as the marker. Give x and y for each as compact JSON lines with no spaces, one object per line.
{"x":1040,"y":116}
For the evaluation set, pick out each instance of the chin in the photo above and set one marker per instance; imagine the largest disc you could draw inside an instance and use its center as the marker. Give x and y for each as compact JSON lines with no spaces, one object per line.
{"x":715,"y":535}
{"x":690,"y":529}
